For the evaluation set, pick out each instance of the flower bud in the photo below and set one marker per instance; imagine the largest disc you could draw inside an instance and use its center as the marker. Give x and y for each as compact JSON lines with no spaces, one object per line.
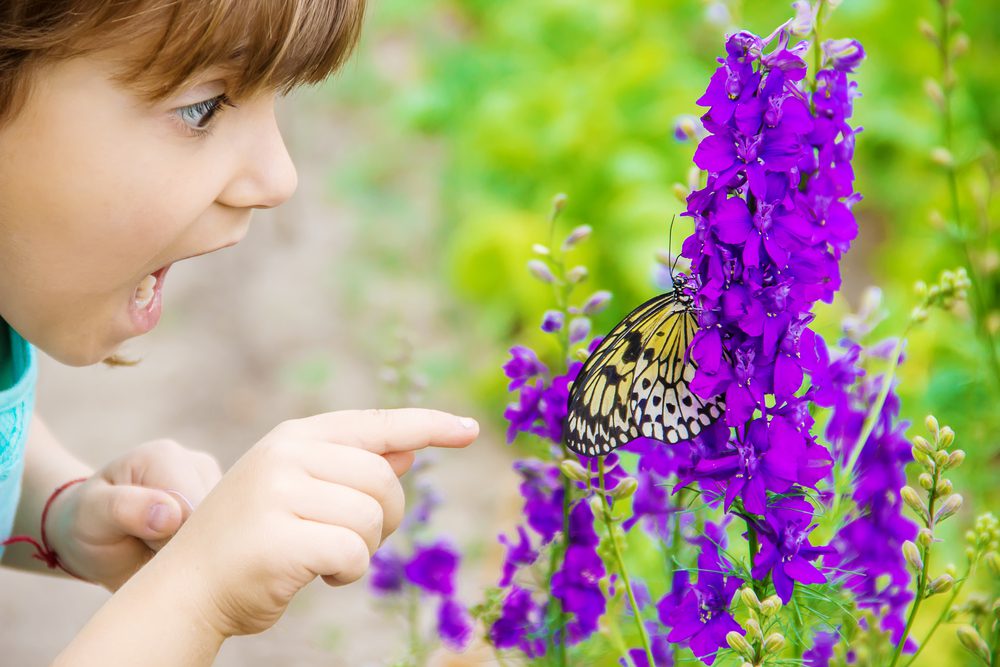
{"x":577,"y":236}
{"x":755,"y":634}
{"x":910,"y":497}
{"x":574,"y":471}
{"x":540,"y":249}
{"x":843,"y":54}
{"x":942,"y":156}
{"x":579,"y":327}
{"x":955,"y":459}
{"x":947,"y":437}
{"x":920,"y":289}
{"x":739,"y":644}
{"x":582,"y":354}
{"x":921,"y":443}
{"x":771,"y":605}
{"x":927,"y":30}
{"x":941,"y":584}
{"x":926,"y":481}
{"x":960,"y":46}
{"x":944,"y":487}
{"x":596,"y":505}
{"x":912,"y":555}
{"x":922,"y":457}
{"x":774,"y":643}
{"x":553,"y":321}
{"x":597,"y":302}
{"x":750,"y":598}
{"x":951,"y":505}
{"x":681,"y":192}
{"x":576,"y":275}
{"x":925,"y":537}
{"x":971,"y":640}
{"x":933,"y":90}
{"x":558,"y":203}
{"x":941,"y":458}
{"x":541,"y":270}
{"x":624,"y":489}
{"x":931,"y":423}
{"x":992,"y":559}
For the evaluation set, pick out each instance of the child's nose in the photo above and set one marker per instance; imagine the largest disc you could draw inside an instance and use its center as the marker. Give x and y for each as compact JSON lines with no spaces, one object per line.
{"x":267,"y":175}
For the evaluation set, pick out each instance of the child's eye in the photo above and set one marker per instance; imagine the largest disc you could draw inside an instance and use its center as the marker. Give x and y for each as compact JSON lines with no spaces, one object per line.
{"x":198,"y":116}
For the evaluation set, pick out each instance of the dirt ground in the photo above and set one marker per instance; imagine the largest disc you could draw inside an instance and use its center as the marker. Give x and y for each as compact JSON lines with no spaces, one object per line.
{"x":215,"y":376}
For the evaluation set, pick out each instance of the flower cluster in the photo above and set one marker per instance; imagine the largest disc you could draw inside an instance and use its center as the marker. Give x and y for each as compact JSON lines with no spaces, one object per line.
{"x":430,"y":567}
{"x":771,"y":224}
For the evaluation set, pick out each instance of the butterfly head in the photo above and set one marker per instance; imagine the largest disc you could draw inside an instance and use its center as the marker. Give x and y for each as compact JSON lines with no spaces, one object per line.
{"x":682,"y":289}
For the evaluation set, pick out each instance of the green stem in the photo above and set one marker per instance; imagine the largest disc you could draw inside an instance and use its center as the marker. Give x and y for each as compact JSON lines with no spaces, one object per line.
{"x":980,"y":309}
{"x":924,"y":571}
{"x":995,"y":655}
{"x":940,"y":619}
{"x":753,"y":547}
{"x":620,"y":564}
{"x":413,"y":620}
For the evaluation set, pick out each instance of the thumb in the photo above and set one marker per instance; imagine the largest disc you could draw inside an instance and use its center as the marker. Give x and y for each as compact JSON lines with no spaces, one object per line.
{"x":147,"y":514}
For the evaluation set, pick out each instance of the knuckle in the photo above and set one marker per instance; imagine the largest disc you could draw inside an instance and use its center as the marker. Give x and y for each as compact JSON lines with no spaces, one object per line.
{"x":370,"y":518}
{"x":355,"y":557}
{"x":117,"y":508}
{"x":384,"y":478}
{"x":378,"y":416}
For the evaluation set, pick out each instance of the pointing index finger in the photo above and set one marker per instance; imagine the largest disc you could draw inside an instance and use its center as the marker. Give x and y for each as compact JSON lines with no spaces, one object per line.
{"x":385,"y":431}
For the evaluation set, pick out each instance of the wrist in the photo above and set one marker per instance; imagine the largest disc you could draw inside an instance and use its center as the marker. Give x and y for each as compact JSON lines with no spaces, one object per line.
{"x":160,"y":617}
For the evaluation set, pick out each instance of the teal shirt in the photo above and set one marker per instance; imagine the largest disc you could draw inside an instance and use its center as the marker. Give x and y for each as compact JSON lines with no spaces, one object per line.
{"x":18,"y":376}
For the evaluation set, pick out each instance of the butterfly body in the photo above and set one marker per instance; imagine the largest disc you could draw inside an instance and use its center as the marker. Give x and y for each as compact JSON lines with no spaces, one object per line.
{"x":636,"y":383}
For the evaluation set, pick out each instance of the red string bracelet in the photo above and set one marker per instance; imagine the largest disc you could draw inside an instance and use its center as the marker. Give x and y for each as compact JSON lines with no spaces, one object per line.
{"x":43,"y":551}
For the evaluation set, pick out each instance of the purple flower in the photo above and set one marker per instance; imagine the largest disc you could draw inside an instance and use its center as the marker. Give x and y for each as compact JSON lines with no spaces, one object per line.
{"x":702,"y":617}
{"x":822,"y":650}
{"x":553,"y":321}
{"x":520,"y":624}
{"x":387,"y":570}
{"x":542,"y":491}
{"x":454,"y":624}
{"x":523,"y":366}
{"x":576,"y":583}
{"x":518,"y":555}
{"x":785,"y":551}
{"x":843,"y":55}
{"x":432,"y":568}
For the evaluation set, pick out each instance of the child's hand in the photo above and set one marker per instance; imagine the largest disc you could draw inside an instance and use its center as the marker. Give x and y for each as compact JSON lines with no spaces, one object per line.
{"x":106,"y":528}
{"x":314,"y":497}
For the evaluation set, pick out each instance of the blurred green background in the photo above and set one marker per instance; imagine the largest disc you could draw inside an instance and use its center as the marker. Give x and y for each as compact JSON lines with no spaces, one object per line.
{"x":479,"y":112}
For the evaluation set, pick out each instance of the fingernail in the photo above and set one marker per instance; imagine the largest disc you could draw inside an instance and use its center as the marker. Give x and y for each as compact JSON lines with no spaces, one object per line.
{"x":159,"y":517}
{"x":467,"y":422}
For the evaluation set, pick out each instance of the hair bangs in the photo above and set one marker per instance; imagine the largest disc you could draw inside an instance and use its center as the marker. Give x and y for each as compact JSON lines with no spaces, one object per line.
{"x":257,"y":45}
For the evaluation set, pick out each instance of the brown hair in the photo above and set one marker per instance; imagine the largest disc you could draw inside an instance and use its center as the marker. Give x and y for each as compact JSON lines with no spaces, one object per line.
{"x":259,"y":44}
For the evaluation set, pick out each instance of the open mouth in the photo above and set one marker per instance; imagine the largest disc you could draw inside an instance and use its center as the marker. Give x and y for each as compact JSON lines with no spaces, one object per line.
{"x":148,"y":287}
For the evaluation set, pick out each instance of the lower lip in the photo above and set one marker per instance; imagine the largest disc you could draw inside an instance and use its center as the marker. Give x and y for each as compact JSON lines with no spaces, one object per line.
{"x":145,"y":319}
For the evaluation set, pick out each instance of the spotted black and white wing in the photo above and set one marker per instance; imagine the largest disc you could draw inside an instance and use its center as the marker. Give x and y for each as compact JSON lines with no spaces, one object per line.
{"x":636,"y":382}
{"x":661,"y":399}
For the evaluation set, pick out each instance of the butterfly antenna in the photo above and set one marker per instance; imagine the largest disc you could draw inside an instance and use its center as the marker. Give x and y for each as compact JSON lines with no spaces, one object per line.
{"x":670,"y":249}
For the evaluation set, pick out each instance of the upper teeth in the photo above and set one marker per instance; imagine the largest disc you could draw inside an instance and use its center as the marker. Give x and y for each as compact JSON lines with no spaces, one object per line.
{"x":144,"y":292}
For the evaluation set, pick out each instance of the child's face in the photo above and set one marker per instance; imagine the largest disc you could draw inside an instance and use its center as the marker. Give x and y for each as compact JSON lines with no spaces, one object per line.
{"x":98,"y":189}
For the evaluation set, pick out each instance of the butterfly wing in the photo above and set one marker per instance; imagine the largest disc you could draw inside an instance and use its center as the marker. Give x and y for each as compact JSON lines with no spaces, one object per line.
{"x":636,"y":383}
{"x":598,"y":418}
{"x":661,"y":399}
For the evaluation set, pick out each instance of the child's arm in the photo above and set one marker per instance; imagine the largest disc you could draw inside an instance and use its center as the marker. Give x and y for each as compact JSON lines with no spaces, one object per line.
{"x":315,"y":497}
{"x":47,"y":464}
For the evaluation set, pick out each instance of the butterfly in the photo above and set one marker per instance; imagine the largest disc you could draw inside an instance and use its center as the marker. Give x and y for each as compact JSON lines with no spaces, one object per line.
{"x":637,"y":381}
